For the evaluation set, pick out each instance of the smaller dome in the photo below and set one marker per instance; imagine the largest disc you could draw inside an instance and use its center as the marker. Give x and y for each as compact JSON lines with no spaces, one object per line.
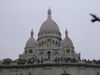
{"x":31,"y":42}
{"x":67,"y":41}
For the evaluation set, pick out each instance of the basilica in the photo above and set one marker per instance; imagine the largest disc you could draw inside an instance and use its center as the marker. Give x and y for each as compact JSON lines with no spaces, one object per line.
{"x":50,"y":55}
{"x":49,"y":45}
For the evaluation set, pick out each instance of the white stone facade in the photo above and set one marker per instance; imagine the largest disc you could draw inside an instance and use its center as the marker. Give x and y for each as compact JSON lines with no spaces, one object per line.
{"x":49,"y":44}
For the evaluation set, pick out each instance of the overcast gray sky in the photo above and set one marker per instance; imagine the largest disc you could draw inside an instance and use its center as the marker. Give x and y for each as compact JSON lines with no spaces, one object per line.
{"x":18,"y":17}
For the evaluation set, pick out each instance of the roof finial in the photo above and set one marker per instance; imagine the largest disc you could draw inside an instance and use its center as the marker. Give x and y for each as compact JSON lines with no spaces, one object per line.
{"x":32,"y":33}
{"x":49,"y":12}
{"x":66,"y":32}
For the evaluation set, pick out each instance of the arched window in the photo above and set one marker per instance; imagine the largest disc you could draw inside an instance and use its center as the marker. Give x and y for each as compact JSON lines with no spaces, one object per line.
{"x":39,"y":44}
{"x":56,"y":42}
{"x":49,"y":32}
{"x":25,"y":51}
{"x":49,"y":54}
{"x":45,"y":32}
{"x":30,"y":51}
{"x":53,"y":41}
{"x":42,"y":42}
{"x":67,"y":50}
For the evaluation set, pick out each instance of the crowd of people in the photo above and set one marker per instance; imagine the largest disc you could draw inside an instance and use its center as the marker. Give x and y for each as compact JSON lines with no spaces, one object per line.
{"x":9,"y":61}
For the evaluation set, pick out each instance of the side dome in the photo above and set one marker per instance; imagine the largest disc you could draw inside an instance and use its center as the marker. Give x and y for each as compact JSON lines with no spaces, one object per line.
{"x":31,"y":41}
{"x":67,"y":41}
{"x":49,"y":24}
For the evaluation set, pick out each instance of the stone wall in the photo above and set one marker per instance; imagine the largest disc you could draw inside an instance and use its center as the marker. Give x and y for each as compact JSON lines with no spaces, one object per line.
{"x":48,"y":69}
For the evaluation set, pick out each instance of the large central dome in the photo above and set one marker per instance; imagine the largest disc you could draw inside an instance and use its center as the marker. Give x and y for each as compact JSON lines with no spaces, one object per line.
{"x":49,"y":24}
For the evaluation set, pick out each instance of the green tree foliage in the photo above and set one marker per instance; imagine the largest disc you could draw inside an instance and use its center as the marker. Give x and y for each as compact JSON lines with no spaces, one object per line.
{"x":7,"y":61}
{"x":21,"y":61}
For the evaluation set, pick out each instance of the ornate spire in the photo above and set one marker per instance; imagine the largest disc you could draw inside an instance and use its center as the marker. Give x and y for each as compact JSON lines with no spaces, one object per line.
{"x":32,"y":33}
{"x":49,"y":12}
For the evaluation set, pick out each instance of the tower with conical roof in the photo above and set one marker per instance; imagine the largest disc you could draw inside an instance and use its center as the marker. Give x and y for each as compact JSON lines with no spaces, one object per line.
{"x":68,"y":48}
{"x":30,"y":48}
